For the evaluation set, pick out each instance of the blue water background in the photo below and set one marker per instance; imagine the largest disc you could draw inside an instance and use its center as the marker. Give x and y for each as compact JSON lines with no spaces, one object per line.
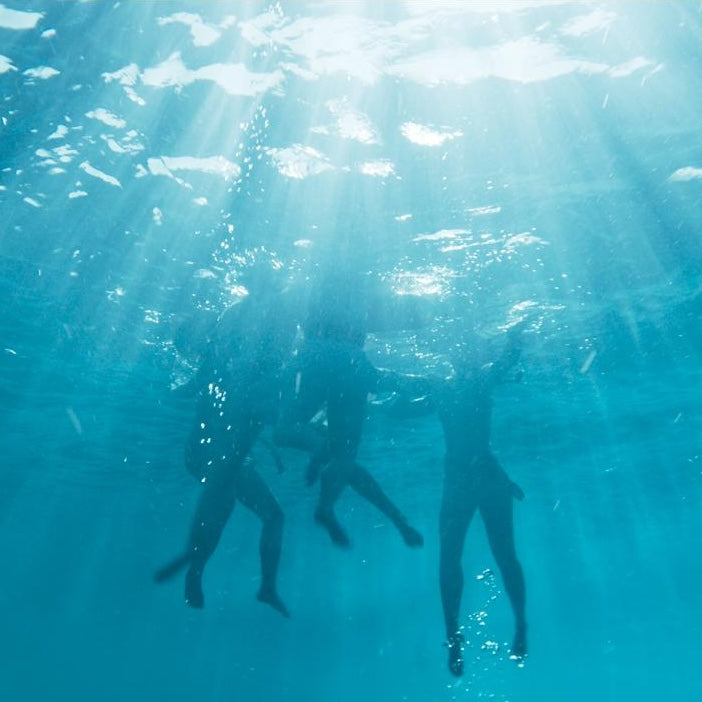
{"x":496,"y":158}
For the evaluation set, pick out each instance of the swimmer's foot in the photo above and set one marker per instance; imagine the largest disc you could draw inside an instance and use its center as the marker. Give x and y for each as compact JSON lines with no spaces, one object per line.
{"x":270,"y":597}
{"x":335,"y":530}
{"x":455,"y":654}
{"x":519,"y":645}
{"x":411,"y":536}
{"x":172,"y":568}
{"x":194,"y":596}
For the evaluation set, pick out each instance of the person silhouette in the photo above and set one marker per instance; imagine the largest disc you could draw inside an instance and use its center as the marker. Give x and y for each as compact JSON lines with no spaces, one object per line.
{"x":331,"y":374}
{"x":473,"y":480}
{"x":239,"y":388}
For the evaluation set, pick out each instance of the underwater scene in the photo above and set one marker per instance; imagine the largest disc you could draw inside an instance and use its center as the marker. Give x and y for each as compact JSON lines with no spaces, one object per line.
{"x":350,"y":350}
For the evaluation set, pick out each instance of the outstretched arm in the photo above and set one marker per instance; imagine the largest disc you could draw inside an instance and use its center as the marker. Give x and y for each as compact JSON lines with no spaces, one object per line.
{"x":412,"y":395}
{"x":497,"y":372}
{"x":410,"y":385}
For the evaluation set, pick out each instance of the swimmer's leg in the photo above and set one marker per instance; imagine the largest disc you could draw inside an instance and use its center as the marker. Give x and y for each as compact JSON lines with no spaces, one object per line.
{"x":303,"y":397}
{"x":454,"y":643}
{"x":454,"y":519}
{"x":298,"y":435}
{"x":497,"y":513}
{"x":333,"y":481}
{"x":172,"y":568}
{"x":213,"y":509}
{"x":369,"y":488}
{"x":253,"y":492}
{"x":318,"y":460}
{"x":305,"y":437}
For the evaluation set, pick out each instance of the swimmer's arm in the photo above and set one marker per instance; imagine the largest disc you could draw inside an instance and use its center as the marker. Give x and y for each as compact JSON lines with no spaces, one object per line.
{"x":197,"y":381}
{"x":497,"y":371}
{"x":412,"y":395}
{"x":273,"y":450}
{"x":201,"y":376}
{"x":411,"y":385}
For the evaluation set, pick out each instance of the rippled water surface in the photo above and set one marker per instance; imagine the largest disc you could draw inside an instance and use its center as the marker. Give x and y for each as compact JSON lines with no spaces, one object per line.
{"x":497,"y":160}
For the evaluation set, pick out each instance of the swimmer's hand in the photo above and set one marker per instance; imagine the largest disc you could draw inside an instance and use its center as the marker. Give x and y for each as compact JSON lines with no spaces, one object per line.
{"x":279,"y":465}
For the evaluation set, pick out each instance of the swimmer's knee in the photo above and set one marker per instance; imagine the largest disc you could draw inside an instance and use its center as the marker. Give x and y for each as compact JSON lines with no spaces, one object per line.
{"x":506,"y":558}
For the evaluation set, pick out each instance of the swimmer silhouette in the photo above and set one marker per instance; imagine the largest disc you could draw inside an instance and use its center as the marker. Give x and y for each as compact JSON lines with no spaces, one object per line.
{"x":331,"y":374}
{"x":239,"y":391}
{"x":474,"y":480}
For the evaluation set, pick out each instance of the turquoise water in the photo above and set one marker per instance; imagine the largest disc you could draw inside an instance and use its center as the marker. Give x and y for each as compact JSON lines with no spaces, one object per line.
{"x":498,"y":160}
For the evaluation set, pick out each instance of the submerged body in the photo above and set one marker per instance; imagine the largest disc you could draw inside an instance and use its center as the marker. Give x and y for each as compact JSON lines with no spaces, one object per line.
{"x":336,"y":377}
{"x":474,"y":481}
{"x":239,"y":388}
{"x":331,"y":374}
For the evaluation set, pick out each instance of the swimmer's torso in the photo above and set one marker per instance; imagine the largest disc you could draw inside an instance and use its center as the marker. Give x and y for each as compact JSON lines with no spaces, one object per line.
{"x":337,"y":376}
{"x":240,"y":388}
{"x":464,"y":408}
